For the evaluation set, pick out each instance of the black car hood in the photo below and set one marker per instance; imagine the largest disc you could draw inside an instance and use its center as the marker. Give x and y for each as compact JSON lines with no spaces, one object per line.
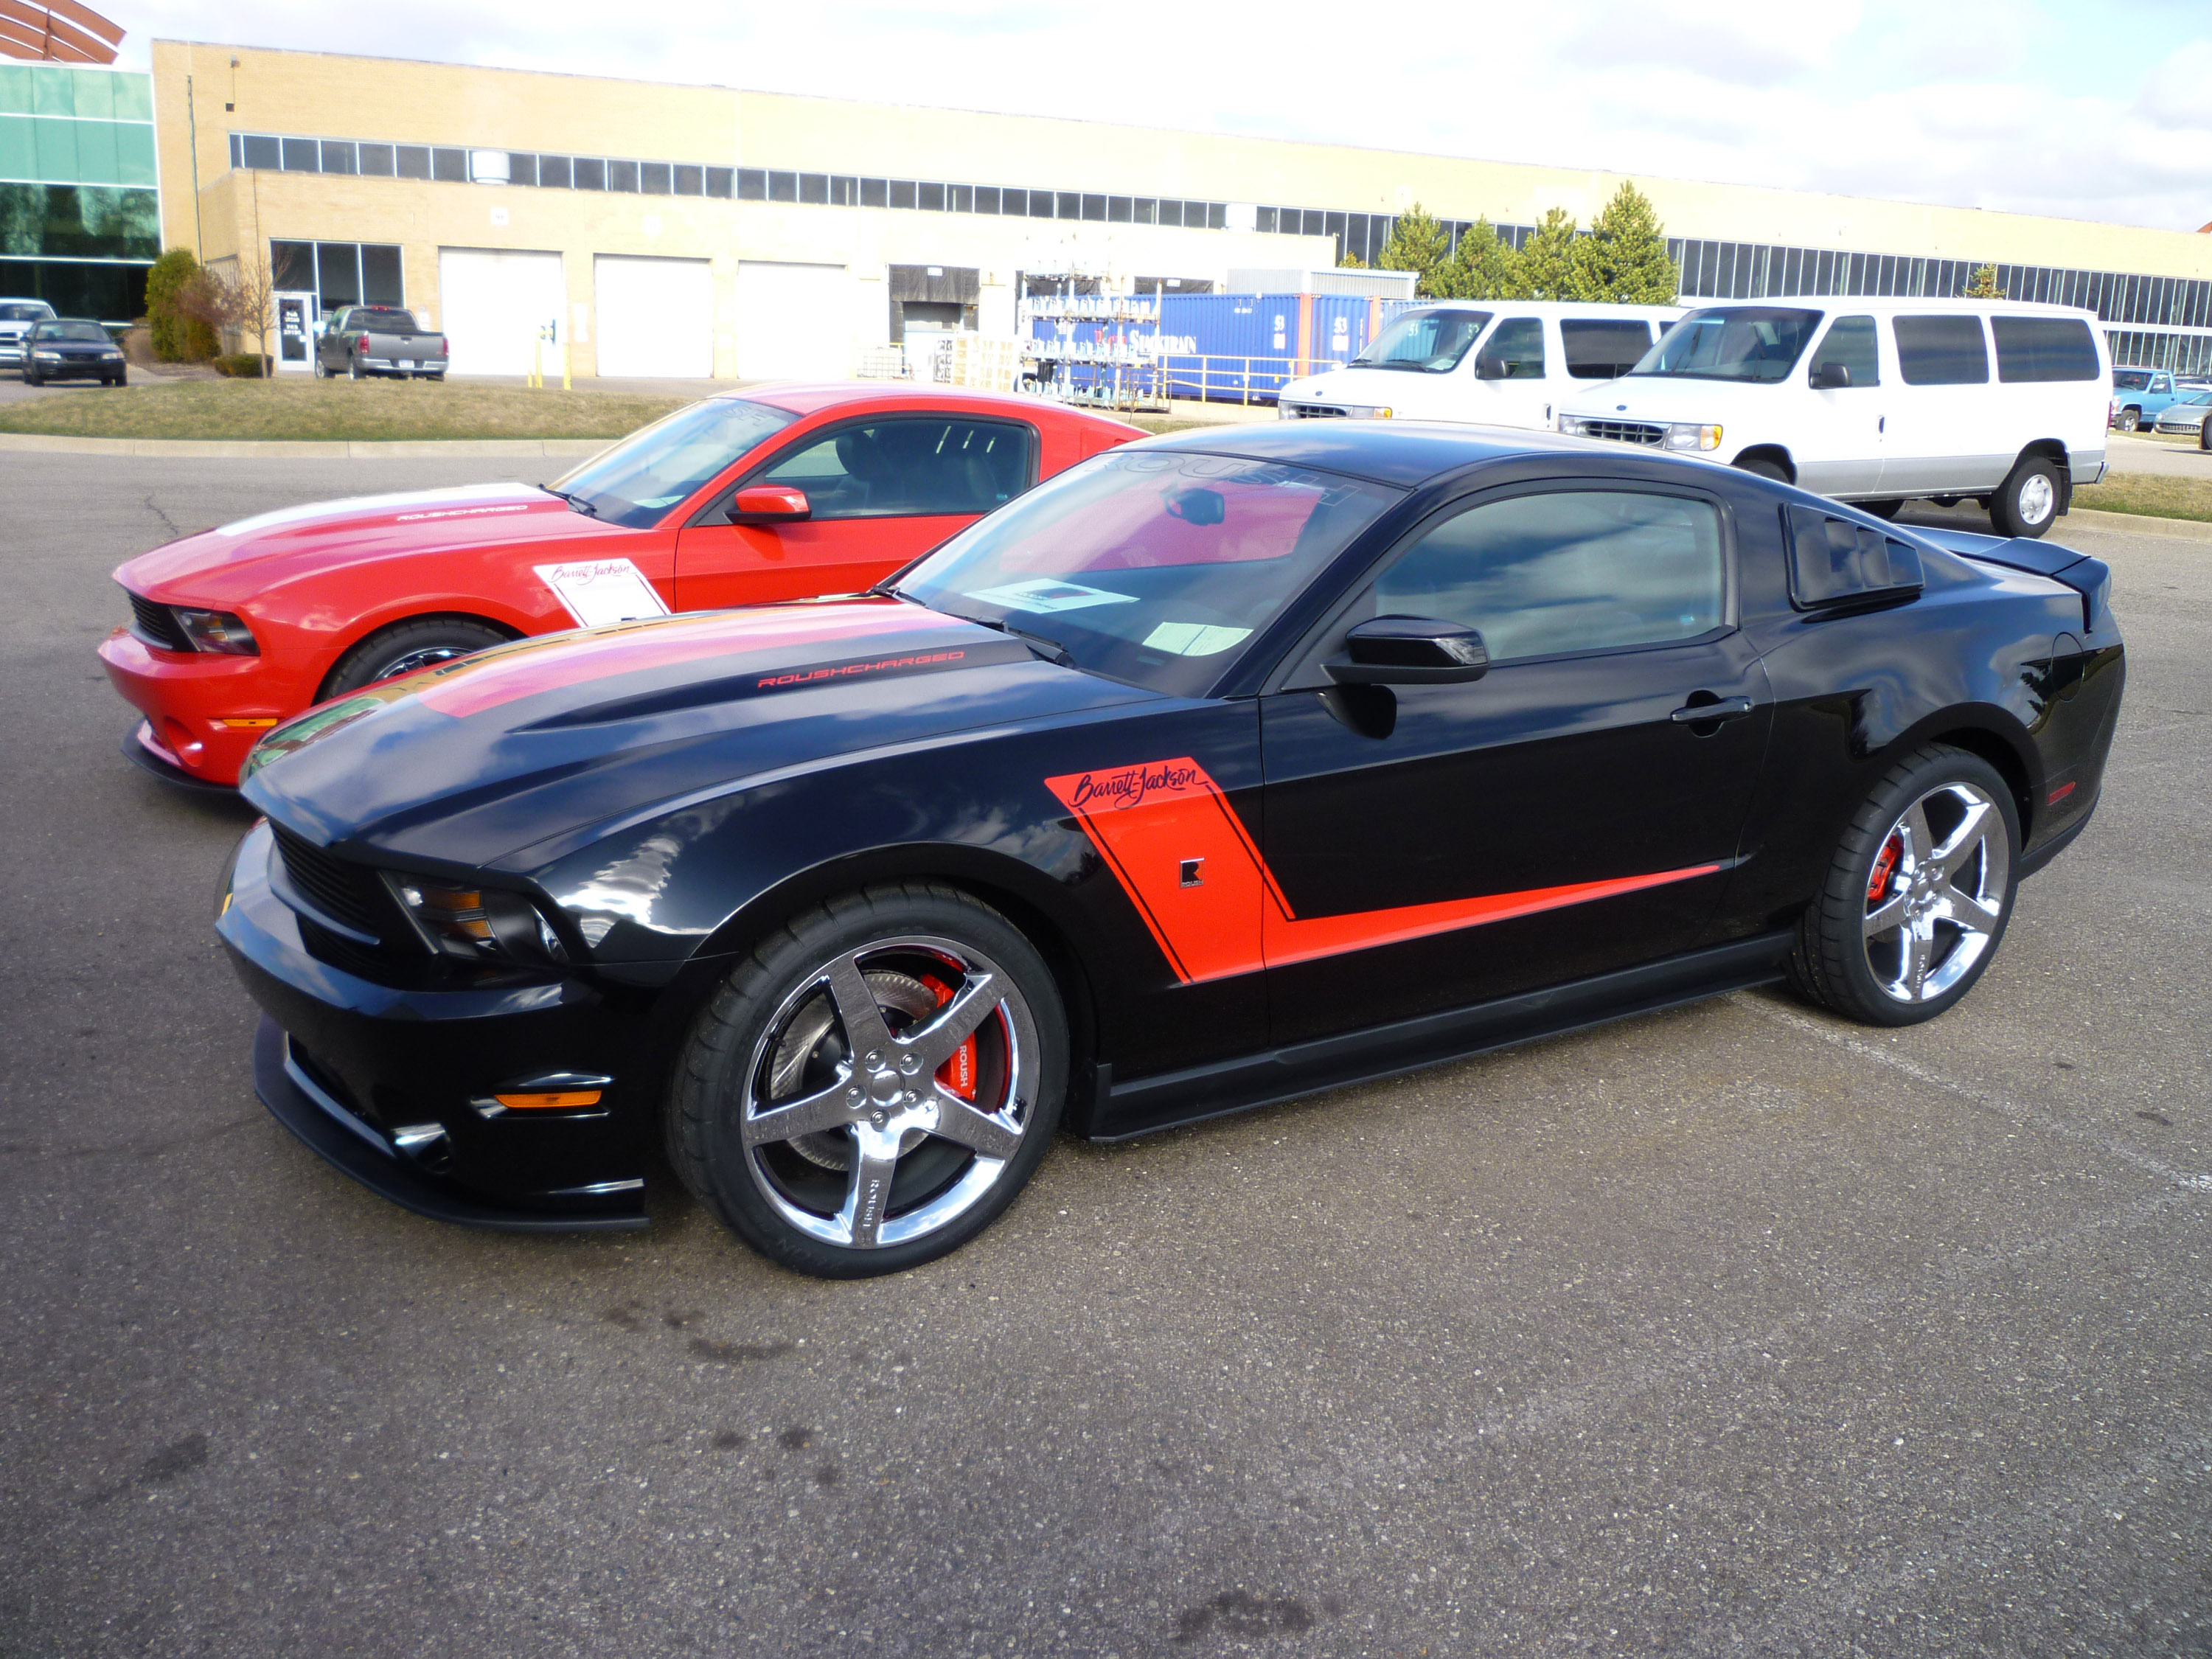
{"x":523,"y":745}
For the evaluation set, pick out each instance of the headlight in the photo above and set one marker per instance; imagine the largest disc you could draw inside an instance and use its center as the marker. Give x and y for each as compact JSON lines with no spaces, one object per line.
{"x":218,"y":631}
{"x":111,"y":354}
{"x":50,"y":357}
{"x":1570,"y":425}
{"x":477,"y":924}
{"x":1685,"y":435}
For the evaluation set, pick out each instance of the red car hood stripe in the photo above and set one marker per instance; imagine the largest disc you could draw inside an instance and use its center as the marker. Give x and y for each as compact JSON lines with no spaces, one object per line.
{"x":1148,"y":821}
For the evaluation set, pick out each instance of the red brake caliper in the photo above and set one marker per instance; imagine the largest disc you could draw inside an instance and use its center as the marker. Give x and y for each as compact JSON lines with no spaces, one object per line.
{"x":958,"y":1073}
{"x":1885,"y":866}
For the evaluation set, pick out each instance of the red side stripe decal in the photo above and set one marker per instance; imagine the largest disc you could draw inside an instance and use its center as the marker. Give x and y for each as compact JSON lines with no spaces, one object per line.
{"x":1148,"y":822}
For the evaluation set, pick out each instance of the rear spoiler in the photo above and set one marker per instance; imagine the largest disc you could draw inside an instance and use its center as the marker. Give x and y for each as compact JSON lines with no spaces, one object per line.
{"x":2091,"y":578}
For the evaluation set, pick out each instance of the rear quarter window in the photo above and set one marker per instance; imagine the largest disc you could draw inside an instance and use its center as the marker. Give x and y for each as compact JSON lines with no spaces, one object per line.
{"x":2043,"y":348}
{"x":1941,"y":351}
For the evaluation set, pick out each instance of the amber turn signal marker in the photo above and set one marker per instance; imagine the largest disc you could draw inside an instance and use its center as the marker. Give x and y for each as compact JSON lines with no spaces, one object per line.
{"x":567,"y":1098}
{"x":254,"y":725}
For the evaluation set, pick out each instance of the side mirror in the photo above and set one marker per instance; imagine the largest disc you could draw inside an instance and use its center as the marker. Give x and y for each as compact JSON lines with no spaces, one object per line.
{"x":1410,"y":651}
{"x":769,"y":504}
{"x":1831,"y":377}
{"x":1487,"y":367}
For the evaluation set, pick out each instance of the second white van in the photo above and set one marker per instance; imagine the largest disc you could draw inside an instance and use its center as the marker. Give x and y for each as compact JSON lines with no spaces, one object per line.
{"x":1877,"y":401}
{"x":1494,"y":362}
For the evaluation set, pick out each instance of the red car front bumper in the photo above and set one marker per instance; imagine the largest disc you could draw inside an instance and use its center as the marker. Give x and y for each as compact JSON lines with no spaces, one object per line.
{"x":204,"y":711}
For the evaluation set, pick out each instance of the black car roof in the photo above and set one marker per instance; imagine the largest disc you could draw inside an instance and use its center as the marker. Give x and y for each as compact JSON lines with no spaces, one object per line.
{"x":1402,"y":453}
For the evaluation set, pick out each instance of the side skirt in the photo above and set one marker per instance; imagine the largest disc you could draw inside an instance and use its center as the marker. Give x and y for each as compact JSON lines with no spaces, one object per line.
{"x":1143,"y":1105}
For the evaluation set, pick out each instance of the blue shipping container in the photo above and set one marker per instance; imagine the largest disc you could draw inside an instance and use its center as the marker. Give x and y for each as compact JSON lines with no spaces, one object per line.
{"x":1240,"y":348}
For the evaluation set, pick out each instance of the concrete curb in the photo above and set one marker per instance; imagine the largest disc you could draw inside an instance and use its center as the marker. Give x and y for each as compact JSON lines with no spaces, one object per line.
{"x":2140,"y":524}
{"x":338,"y":449}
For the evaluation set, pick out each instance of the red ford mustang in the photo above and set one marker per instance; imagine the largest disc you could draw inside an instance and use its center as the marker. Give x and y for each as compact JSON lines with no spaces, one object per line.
{"x":783,"y":493}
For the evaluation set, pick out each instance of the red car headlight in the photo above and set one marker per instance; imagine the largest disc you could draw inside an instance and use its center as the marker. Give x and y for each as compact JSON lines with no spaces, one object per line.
{"x":218,"y":631}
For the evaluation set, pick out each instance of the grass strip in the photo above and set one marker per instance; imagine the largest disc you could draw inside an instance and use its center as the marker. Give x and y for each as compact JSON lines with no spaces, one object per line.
{"x":360,"y":410}
{"x":2151,"y":495}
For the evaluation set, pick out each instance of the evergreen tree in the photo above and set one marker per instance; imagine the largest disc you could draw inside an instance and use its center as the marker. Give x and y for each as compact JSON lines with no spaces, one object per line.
{"x":179,"y":335}
{"x":1984,"y":285}
{"x":1350,"y":262}
{"x":1552,"y":266}
{"x":1624,"y":258}
{"x":1485,"y":267}
{"x":1418,"y":243}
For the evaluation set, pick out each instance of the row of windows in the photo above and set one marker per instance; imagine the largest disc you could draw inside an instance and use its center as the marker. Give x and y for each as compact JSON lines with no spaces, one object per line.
{"x":1739,"y":271}
{"x":109,"y":293}
{"x":79,"y":221}
{"x":339,"y":273}
{"x":2184,"y":354}
{"x":52,"y":149}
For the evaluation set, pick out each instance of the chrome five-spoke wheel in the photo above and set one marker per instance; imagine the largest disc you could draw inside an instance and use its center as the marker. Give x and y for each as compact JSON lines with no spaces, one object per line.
{"x":1936,"y":898}
{"x":891,"y":1091}
{"x":874,"y":1082}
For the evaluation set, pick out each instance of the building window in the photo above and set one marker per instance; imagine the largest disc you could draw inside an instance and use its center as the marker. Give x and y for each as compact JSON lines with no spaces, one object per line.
{"x":654,"y":178}
{"x":783,"y":187}
{"x":986,"y":198}
{"x":843,"y":192}
{"x":875,"y":192}
{"x":814,"y":187}
{"x":450,"y":166}
{"x":622,"y":176}
{"x":338,"y":157}
{"x":414,"y":161}
{"x":721,"y":181}
{"x":339,"y":273}
{"x":902,"y":192}
{"x":931,"y":197}
{"x":1040,"y":204}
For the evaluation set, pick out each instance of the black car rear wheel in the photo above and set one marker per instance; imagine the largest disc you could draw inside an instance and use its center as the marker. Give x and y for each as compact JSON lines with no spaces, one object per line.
{"x":873,"y":1084}
{"x":406,"y":647}
{"x":1917,"y":895}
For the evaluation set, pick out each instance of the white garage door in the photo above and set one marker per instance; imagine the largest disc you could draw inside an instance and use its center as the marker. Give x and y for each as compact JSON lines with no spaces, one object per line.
{"x":492,"y":302}
{"x":656,"y":316}
{"x":794,"y":322}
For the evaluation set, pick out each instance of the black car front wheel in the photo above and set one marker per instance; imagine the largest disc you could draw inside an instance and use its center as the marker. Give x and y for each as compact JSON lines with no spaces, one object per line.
{"x":1919,"y":893}
{"x":873,"y":1084}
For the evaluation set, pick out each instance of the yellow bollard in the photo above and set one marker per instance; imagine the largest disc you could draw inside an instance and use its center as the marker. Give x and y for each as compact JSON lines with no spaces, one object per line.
{"x":564,"y":366}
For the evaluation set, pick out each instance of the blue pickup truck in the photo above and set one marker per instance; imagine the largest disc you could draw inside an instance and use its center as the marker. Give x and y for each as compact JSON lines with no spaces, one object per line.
{"x":2139,"y":396}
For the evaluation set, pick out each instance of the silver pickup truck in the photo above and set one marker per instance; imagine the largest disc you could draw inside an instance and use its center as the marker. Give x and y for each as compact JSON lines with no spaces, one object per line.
{"x":364,"y":340}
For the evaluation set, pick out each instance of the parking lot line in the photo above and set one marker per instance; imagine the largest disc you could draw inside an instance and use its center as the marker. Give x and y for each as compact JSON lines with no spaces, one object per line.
{"x":1988,"y":1101}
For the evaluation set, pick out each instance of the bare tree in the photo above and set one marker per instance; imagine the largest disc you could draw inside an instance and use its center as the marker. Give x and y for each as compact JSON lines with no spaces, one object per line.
{"x":238,"y":299}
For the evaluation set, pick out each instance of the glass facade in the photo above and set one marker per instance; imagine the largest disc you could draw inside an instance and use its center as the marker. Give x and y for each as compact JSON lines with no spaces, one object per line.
{"x":80,"y":218}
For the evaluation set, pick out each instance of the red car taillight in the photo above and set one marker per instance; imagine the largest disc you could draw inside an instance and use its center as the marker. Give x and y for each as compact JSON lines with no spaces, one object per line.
{"x":444,"y":350}
{"x":364,"y":343}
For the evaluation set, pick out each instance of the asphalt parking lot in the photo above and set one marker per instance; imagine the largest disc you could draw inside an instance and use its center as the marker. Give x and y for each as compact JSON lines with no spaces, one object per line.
{"x":1730,"y":1330}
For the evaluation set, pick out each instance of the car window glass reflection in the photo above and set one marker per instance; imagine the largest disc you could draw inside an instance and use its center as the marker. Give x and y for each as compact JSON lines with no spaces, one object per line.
{"x":1584,"y":570}
{"x":1851,"y":346}
{"x":909,"y":466}
{"x":1425,"y":341}
{"x":660,"y":466}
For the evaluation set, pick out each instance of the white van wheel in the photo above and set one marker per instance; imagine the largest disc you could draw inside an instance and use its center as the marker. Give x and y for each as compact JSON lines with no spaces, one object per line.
{"x":2027,"y":500}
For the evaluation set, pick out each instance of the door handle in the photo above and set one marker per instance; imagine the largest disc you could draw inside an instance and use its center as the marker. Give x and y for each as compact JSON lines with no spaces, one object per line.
{"x":1698,"y":713}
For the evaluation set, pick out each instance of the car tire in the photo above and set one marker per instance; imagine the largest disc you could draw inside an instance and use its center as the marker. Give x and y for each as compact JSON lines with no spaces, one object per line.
{"x":1888,"y":508}
{"x":2129,"y":420}
{"x":2205,"y":436}
{"x":32,"y":379}
{"x":775,"y":1031}
{"x":405,"y":648}
{"x":1763,"y":468}
{"x":1883,"y":943}
{"x":322,"y":369}
{"x":2027,"y":502}
{"x":353,"y":368}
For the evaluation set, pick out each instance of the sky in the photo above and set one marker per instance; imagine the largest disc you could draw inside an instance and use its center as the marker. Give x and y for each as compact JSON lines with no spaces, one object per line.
{"x":2084,"y":112}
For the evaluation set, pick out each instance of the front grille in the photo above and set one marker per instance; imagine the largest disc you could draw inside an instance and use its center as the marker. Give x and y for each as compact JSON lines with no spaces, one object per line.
{"x":345,"y":892}
{"x":156,"y":624}
{"x":1624,"y":432}
{"x":1315,"y":411}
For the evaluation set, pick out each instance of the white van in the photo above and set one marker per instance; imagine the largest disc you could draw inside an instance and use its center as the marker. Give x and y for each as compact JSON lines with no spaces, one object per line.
{"x":1496,"y":363}
{"x":1877,"y":401}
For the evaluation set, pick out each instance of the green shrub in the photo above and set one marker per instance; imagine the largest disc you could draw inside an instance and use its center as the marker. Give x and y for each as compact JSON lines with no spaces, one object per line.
{"x":179,"y":335}
{"x":240,"y":365}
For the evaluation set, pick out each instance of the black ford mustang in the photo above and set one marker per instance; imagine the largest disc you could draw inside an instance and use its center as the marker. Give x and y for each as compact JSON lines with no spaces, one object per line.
{"x":1223,"y":767}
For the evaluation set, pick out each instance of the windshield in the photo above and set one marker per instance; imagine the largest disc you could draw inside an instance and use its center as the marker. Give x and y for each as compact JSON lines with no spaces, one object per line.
{"x":1738,"y":343}
{"x":70,"y":331}
{"x":1429,"y":342}
{"x":1150,"y":567}
{"x":20,"y":311}
{"x":2130,"y":380}
{"x":659,"y":466}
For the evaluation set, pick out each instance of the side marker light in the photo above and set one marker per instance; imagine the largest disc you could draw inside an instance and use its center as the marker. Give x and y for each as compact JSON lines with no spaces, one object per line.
{"x":556,"y":1100}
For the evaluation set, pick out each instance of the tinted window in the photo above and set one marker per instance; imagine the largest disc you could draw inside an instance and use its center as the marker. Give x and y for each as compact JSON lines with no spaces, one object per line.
{"x":1603,"y":350}
{"x":382,"y":317}
{"x":1150,"y":566}
{"x":1581,"y":570}
{"x":2130,"y":380}
{"x":29,"y":311}
{"x":1851,"y":346}
{"x":1738,"y":343}
{"x":660,"y":466}
{"x":890,"y":468}
{"x":2043,"y":348}
{"x":1429,"y":341}
{"x":1941,"y":350}
{"x":1517,"y":347}
{"x":1835,"y":559}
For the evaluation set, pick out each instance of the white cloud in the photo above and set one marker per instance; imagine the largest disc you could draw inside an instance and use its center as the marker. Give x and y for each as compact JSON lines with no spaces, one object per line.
{"x":1986,"y":103}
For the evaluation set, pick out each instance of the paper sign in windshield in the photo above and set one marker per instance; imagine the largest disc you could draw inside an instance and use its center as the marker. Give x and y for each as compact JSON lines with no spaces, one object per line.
{"x":1045,"y":595}
{"x":602,"y":591}
{"x":1194,"y":639}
